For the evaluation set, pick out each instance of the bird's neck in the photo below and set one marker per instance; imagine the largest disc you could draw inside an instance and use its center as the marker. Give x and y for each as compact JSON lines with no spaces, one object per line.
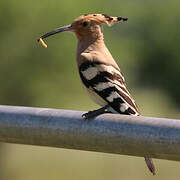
{"x":88,"y":44}
{"x":94,"y":49}
{"x":92,"y":46}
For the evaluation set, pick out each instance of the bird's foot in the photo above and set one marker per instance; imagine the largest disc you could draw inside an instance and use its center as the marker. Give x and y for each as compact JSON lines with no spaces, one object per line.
{"x":94,"y":113}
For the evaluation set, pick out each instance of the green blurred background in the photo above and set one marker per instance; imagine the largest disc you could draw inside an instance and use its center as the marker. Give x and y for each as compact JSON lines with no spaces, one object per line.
{"x":147,"y":50}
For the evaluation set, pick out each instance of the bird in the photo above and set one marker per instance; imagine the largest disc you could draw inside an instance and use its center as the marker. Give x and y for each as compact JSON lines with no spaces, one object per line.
{"x":99,"y":72}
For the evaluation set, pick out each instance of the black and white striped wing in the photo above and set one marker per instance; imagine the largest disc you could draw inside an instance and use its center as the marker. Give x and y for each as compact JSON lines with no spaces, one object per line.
{"x":108,"y":83}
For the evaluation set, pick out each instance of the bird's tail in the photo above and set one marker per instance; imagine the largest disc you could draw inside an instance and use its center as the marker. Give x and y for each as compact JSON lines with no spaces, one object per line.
{"x":150,"y":165}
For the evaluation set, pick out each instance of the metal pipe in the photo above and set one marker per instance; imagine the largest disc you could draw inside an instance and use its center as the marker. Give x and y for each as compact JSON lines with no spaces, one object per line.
{"x":109,"y":133}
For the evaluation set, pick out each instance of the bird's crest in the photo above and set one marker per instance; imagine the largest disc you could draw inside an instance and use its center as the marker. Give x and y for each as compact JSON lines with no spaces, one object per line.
{"x":99,"y":18}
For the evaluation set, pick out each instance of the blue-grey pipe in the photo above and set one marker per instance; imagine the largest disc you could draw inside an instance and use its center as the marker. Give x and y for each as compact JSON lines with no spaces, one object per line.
{"x":109,"y":133}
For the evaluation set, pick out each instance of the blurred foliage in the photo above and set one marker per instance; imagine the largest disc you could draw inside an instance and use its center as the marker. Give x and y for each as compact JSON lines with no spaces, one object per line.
{"x":146,"y":48}
{"x":159,"y":62}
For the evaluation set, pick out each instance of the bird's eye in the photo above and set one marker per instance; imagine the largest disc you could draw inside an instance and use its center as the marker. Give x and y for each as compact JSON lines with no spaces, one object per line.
{"x":85,"y":23}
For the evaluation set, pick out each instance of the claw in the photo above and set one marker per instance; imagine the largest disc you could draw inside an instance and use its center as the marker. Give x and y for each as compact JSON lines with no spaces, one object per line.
{"x":89,"y":115}
{"x":85,"y":116}
{"x":92,"y":114}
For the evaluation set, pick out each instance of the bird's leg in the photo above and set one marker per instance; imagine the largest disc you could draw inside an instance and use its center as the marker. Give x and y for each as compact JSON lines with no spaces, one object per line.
{"x":94,"y":113}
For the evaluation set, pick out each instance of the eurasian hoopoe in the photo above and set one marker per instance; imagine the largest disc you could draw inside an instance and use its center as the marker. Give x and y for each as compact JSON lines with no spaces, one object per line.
{"x":98,"y":71}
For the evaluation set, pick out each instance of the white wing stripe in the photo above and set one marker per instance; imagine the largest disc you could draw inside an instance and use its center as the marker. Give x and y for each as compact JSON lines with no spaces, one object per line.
{"x":124,"y":107}
{"x":111,"y":70}
{"x":112,"y":96}
{"x":103,"y":85}
{"x":90,"y":73}
{"x":117,"y":84}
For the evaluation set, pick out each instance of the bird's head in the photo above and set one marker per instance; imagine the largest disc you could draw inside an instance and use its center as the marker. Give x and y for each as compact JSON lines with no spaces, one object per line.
{"x":86,"y":26}
{"x":89,"y":25}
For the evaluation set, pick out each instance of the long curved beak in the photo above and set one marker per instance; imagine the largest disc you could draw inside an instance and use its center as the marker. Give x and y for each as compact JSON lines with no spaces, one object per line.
{"x":61,"y":29}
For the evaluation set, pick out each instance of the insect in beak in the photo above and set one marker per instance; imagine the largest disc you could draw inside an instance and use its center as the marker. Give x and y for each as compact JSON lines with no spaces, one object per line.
{"x":58,"y":30}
